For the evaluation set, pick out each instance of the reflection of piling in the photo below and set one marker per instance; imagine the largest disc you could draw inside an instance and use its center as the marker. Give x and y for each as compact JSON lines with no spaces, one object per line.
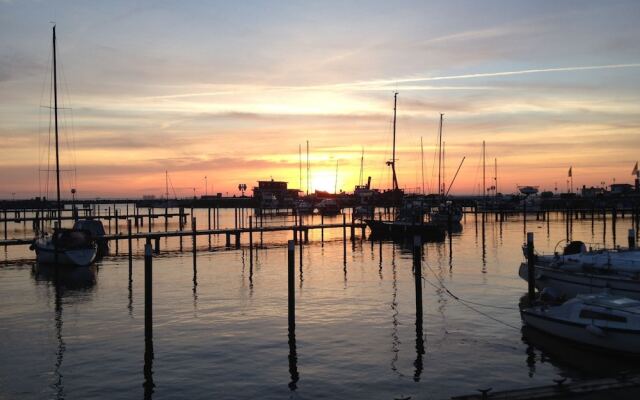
{"x":344,"y":238}
{"x":251,"y":240}
{"x":531,"y":264}
{"x":632,"y":239}
{"x":129,"y":244}
{"x":417,"y":267}
{"x":194,"y":245}
{"x":291,"y":292}
{"x":148,"y":294}
{"x":293,"y":356}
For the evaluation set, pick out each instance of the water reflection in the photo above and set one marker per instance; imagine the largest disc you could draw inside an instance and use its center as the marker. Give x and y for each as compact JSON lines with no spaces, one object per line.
{"x":573,"y":360}
{"x":66,"y":282}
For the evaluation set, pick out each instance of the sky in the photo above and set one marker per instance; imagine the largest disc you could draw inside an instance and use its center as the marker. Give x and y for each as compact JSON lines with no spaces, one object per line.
{"x":233,"y":90}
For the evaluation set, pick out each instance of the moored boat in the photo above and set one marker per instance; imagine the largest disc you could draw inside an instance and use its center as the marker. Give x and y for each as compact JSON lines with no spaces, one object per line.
{"x":600,"y":320}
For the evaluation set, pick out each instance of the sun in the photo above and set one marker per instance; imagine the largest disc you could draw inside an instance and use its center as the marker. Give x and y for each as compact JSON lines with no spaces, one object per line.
{"x":323,"y":180}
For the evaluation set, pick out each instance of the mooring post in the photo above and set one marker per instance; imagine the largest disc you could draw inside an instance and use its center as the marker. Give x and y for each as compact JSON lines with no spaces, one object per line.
{"x":148,"y":294}
{"x":130,"y":247}
{"x":531,"y":265}
{"x":237,"y":239}
{"x":108,"y":218}
{"x":157,"y":244}
{"x":149,"y":218}
{"x":417,"y":270}
{"x":291,"y":283}
{"x":353,"y":227}
{"x":193,"y":230}
{"x":251,"y":238}
{"x":344,"y":239}
{"x":5,"y":224}
{"x":166,"y":218}
{"x":632,"y":239}
{"x":228,"y":237}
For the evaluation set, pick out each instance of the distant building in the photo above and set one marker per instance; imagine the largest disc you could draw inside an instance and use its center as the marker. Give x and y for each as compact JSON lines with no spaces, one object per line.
{"x":273,"y":194}
{"x":591,"y":191}
{"x":621,"y":188}
{"x":148,"y":197}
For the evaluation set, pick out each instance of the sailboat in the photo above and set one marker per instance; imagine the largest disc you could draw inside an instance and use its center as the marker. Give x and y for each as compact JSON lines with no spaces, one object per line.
{"x":410,"y":218}
{"x":446,"y":212}
{"x":72,"y":247}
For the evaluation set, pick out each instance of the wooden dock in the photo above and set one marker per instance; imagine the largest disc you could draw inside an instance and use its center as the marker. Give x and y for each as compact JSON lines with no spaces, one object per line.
{"x":612,"y":389}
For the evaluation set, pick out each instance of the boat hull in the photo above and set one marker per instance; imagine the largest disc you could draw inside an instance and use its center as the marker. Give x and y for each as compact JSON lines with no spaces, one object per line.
{"x":615,"y":339}
{"x":394,"y":229}
{"x":572,"y":283}
{"x":47,"y":254}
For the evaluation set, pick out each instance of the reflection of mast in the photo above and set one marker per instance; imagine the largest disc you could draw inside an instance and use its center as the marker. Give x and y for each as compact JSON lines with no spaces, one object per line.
{"x":392,"y":163}
{"x":484,"y":170}
{"x":61,"y":345}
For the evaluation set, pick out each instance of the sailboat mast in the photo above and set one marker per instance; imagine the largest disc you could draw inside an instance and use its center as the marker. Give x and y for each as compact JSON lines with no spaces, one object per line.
{"x":300,"y":164}
{"x":484,"y":170}
{"x":440,"y":156}
{"x":422,"y":162}
{"x":166,"y":184}
{"x":495,"y":175}
{"x":307,"y":167}
{"x":55,"y":112}
{"x":361,"y":168}
{"x":335,"y":185}
{"x":393,"y":159}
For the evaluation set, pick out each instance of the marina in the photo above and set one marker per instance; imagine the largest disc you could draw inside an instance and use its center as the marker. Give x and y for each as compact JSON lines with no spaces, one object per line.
{"x":319,"y":200}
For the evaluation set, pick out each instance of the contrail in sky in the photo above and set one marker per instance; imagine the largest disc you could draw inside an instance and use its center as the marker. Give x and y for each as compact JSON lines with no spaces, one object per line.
{"x":492,"y":74}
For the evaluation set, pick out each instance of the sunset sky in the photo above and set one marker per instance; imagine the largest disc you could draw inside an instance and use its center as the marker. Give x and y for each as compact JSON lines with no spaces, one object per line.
{"x":229,"y":90}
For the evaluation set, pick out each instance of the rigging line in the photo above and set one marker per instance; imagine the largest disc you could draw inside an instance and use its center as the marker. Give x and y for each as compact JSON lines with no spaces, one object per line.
{"x":463,"y":300}
{"x":473,"y":308}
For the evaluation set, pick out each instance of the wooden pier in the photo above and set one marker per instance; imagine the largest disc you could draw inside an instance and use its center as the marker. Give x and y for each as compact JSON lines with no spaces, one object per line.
{"x":621,"y":388}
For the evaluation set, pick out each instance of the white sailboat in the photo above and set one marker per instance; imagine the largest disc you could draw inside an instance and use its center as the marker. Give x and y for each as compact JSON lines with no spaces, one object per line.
{"x":72,"y":247}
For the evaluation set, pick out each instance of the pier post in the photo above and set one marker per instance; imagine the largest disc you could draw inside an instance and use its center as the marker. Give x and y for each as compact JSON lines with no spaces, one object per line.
{"x":108,"y":218}
{"x":344,"y":238}
{"x":149,"y":213}
{"x":209,"y":224}
{"x":291,"y":261}
{"x":417,"y":271}
{"x":166,"y":218}
{"x":148,"y":294}
{"x":353,"y":227}
{"x":632,"y":239}
{"x":237,"y":239}
{"x":531,"y":265}
{"x":193,"y":234}
{"x":130,"y":247}
{"x":5,"y":224}
{"x":251,"y":239}
{"x":157,"y":244}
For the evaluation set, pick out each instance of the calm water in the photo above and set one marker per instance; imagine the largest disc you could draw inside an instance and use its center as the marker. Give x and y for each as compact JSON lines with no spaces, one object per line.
{"x":222,"y":332}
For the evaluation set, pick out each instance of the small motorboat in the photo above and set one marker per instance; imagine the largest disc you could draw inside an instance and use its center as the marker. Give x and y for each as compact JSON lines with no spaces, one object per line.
{"x":599,"y":320}
{"x":581,"y":271}
{"x":303,"y":207}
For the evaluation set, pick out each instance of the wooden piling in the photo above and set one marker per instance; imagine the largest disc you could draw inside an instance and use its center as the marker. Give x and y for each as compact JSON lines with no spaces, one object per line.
{"x":291,"y":248}
{"x":531,"y":264}
{"x":148,"y":292}
{"x":150,"y":211}
{"x":130,"y":247}
{"x":194,"y":243}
